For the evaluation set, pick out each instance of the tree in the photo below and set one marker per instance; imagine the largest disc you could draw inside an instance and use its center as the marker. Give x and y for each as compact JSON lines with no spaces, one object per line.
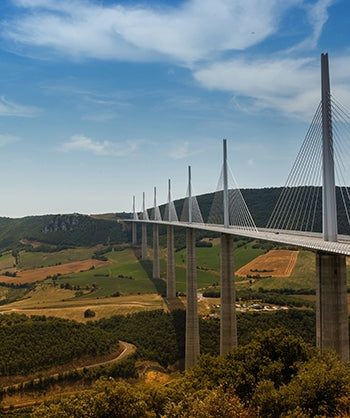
{"x":89,"y":313}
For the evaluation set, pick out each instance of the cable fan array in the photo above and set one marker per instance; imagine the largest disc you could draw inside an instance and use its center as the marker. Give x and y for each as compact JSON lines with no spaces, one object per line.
{"x":299,"y":206}
{"x":239,"y":215}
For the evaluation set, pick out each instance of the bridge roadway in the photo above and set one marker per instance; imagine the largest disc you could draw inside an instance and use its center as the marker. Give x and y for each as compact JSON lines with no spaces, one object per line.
{"x":307,"y":240}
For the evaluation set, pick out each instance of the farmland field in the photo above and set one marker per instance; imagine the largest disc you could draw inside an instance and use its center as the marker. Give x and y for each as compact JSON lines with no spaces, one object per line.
{"x":29,"y":276}
{"x":302,"y":277}
{"x":106,"y":286}
{"x":59,"y":303}
{"x":33,"y":260}
{"x":275,"y":263}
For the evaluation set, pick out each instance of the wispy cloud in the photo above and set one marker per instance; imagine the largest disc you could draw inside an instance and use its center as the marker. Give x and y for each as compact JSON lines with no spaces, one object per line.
{"x":317,"y":15}
{"x":83,"y":143}
{"x":290,"y":86}
{"x":194,"y":30}
{"x":199,"y":34}
{"x":9,"y":108}
{"x":180,"y":151}
{"x":8,"y":139}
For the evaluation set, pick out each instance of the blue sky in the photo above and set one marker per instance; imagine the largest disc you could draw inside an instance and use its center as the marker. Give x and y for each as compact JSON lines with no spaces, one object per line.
{"x":102,"y":100}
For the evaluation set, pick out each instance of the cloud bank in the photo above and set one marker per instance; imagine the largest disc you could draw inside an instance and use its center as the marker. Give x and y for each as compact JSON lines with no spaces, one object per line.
{"x":194,"y":31}
{"x":213,"y":38}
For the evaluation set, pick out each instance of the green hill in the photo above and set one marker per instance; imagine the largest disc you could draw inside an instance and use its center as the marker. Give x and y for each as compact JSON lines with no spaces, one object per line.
{"x":61,"y":230}
{"x":84,"y":230}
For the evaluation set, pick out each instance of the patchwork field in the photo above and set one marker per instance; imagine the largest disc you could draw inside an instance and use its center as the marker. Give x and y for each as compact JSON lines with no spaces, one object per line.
{"x":47,"y":302}
{"x":124,"y":284}
{"x":30,"y":276}
{"x":275,"y":263}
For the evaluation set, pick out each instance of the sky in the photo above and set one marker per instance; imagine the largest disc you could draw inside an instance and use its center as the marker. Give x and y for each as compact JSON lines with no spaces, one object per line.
{"x":101,"y":100}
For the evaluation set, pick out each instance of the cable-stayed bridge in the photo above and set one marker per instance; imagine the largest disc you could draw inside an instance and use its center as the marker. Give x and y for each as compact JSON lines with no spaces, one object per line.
{"x":317,"y":176}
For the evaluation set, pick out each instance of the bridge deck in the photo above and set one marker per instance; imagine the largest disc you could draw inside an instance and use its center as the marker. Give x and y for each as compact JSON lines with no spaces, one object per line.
{"x":310,"y":240}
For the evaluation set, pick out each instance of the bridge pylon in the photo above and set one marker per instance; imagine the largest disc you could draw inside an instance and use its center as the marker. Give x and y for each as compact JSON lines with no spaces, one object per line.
{"x":133,"y":225}
{"x":332,"y":319}
{"x":228,"y":321}
{"x":156,"y":217}
{"x":192,"y":349}
{"x":144,"y":230}
{"x":171,"y":280}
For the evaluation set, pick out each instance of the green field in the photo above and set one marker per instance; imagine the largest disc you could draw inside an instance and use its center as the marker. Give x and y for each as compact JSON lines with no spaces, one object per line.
{"x":6,"y":262}
{"x":302,"y":277}
{"x":33,"y":260}
{"x":125,"y":274}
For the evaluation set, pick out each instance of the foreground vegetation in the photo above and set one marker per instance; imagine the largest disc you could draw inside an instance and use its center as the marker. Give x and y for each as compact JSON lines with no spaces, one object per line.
{"x":275,"y":375}
{"x":37,"y":343}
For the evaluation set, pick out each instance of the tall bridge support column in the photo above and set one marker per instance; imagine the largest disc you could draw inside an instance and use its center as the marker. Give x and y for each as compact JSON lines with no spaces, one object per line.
{"x":228,"y":323}
{"x":144,"y":242}
{"x":332,"y":319}
{"x":171,"y":283}
{"x":192,"y":349}
{"x":134,"y":233}
{"x":156,"y":268}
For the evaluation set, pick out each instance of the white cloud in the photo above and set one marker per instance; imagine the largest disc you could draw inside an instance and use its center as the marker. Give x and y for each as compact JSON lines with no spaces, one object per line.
{"x":193,"y":31}
{"x":8,"y":108}
{"x":8,"y":139}
{"x":317,"y":15}
{"x":83,"y":143}
{"x":291,"y":86}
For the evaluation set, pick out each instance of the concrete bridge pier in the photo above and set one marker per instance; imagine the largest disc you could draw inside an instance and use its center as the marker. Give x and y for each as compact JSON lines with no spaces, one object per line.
{"x":156,"y":267}
{"x":332,"y":318}
{"x":192,"y":349}
{"x":144,"y":242}
{"x":171,"y":283}
{"x":134,"y":233}
{"x":228,"y":322}
{"x":133,"y":225}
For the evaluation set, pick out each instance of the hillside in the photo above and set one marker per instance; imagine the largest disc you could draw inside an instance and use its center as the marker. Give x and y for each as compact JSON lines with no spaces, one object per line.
{"x":83,"y":230}
{"x":60,"y":230}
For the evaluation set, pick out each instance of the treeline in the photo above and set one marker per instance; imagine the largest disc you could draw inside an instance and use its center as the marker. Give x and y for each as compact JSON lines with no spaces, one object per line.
{"x":124,"y":369}
{"x":160,"y":336}
{"x":35,"y":343}
{"x":276,"y":375}
{"x":39,"y":342}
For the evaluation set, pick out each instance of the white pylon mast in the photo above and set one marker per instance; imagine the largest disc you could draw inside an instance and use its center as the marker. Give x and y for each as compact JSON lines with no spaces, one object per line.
{"x":169,"y":200}
{"x":330,"y":228}
{"x":225,"y":180}
{"x":155,"y":204}
{"x":189,"y":195}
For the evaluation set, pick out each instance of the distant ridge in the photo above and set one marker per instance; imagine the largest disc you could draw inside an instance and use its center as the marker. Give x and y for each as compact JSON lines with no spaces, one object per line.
{"x":84,"y":230}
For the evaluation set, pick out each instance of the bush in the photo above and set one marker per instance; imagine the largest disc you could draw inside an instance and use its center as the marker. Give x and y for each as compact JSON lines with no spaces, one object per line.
{"x":89,"y":313}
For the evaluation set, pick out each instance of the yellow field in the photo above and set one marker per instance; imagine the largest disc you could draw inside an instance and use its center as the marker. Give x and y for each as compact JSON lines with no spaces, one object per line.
{"x":49,"y":302}
{"x":278,"y":263}
{"x":30,"y":276}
